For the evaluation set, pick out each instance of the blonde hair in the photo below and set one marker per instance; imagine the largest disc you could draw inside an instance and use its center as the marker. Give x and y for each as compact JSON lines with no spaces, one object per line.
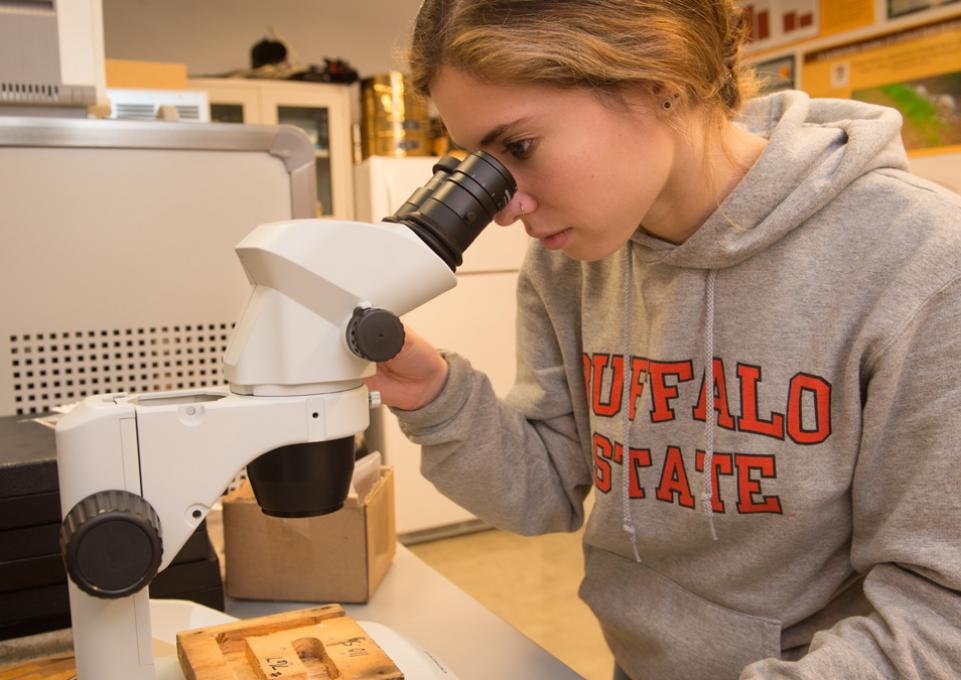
{"x":688,"y":49}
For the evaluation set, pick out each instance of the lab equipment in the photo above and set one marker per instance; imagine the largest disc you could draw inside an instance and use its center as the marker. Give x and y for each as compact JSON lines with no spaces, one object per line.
{"x":139,"y":472}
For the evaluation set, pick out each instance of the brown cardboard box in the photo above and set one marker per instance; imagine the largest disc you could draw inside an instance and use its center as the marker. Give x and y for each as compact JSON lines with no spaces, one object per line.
{"x":145,"y":75}
{"x":340,"y":557}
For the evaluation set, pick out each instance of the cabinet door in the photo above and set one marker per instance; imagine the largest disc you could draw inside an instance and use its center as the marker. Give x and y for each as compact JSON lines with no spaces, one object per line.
{"x":943,"y":168}
{"x":475,"y":319}
{"x":229,"y":102}
{"x":323,"y":112}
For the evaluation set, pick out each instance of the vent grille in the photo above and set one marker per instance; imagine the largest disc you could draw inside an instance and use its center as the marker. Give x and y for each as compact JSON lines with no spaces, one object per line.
{"x":50,"y":369}
{"x":29,"y":92}
{"x":136,"y":111}
{"x":140,"y":111}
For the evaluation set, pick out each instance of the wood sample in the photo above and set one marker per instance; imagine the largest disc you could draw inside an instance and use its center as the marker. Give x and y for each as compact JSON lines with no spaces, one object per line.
{"x":57,"y":667}
{"x":307,"y":644}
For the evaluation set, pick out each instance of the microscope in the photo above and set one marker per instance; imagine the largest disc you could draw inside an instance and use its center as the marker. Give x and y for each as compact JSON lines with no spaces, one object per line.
{"x":139,"y":472}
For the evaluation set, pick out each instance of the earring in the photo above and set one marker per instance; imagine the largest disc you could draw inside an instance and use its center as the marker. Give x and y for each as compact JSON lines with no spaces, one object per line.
{"x":667,"y":104}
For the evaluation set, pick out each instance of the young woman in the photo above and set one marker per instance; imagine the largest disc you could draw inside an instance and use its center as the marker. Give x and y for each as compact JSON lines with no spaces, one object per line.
{"x":740,"y":323}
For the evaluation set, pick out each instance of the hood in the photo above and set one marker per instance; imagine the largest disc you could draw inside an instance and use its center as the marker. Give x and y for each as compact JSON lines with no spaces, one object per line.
{"x":816,"y":148}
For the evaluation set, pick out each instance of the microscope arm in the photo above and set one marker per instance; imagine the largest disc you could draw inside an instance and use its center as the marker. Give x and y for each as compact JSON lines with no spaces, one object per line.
{"x":309,"y":277}
{"x":178,"y":451}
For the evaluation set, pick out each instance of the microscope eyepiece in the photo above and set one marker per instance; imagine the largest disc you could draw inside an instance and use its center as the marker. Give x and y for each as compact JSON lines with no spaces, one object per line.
{"x":442,"y":170}
{"x":457,"y":203}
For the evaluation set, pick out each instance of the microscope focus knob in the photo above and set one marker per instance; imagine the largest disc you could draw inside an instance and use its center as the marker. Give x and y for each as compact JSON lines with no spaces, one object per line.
{"x":375,"y":334}
{"x":111,"y":543}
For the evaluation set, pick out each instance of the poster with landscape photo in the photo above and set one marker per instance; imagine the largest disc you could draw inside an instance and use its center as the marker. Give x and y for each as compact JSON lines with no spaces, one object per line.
{"x":897,"y":8}
{"x":930,"y":107}
{"x":916,"y":70}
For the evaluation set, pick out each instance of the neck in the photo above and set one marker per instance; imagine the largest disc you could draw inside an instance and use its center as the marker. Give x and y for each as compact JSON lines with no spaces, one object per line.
{"x":707,"y":167}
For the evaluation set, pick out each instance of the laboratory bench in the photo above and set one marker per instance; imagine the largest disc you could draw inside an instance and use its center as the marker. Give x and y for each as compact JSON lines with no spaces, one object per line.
{"x":423,"y":606}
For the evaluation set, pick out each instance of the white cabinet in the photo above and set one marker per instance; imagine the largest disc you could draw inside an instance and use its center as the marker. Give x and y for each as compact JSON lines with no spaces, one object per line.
{"x":321,"y":110}
{"x":943,"y":168}
{"x":475,"y":319}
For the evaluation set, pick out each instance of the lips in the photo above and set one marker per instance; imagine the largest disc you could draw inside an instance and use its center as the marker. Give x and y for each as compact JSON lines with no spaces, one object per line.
{"x":546,"y":234}
{"x":554,"y":240}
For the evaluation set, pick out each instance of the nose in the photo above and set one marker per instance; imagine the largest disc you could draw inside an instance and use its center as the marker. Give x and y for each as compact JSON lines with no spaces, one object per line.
{"x":520,"y":204}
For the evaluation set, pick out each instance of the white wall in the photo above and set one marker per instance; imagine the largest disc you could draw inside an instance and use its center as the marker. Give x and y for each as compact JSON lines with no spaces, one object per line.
{"x":215,"y":36}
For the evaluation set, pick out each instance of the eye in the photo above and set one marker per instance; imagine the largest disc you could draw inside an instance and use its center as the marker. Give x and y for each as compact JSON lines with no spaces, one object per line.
{"x":520,"y":149}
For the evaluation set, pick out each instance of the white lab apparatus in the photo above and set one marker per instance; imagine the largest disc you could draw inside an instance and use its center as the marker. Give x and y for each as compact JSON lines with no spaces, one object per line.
{"x":138,"y":473}
{"x":475,"y":319}
{"x":135,"y":104}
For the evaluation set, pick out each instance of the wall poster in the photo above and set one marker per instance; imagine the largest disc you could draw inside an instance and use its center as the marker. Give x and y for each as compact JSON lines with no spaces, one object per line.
{"x":897,"y":8}
{"x":776,"y":74}
{"x":917,"y":71}
{"x":772,"y":23}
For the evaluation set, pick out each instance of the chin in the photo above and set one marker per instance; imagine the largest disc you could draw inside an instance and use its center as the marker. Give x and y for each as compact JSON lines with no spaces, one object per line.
{"x":588,"y":254}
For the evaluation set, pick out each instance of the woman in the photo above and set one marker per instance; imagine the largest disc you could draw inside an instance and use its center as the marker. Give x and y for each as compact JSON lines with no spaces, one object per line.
{"x":757,"y":302}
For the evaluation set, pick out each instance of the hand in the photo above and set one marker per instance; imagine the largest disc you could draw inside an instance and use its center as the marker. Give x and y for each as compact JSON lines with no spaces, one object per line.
{"x":413,"y":378}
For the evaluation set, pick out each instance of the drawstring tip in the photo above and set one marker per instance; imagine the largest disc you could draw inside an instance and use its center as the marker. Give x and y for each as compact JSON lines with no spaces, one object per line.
{"x":629,"y":530}
{"x":710,"y":522}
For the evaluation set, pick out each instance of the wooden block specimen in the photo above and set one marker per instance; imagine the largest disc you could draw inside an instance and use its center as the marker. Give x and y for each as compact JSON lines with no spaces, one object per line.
{"x":58,"y":667}
{"x":308,"y":644}
{"x":273,"y":658}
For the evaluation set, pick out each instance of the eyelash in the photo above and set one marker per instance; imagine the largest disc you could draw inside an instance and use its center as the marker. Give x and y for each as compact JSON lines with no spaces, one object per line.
{"x":520,"y":149}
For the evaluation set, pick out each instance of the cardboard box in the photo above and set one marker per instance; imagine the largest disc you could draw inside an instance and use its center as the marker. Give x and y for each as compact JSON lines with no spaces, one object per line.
{"x":340,"y":557}
{"x":145,"y":75}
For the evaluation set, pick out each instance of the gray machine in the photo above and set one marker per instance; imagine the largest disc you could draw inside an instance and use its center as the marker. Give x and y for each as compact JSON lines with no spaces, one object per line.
{"x":117,"y":263}
{"x":51,"y":57}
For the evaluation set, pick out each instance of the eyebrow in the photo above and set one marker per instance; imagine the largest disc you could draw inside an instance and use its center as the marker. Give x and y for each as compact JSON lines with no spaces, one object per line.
{"x":499,"y":131}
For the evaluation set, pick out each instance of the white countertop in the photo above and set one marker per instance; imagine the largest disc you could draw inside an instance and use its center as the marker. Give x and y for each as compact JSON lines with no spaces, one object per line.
{"x":413,"y":600}
{"x":430,"y":611}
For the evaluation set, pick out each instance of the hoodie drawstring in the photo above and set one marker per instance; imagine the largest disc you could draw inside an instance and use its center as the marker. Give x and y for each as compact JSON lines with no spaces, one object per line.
{"x":710,"y":416}
{"x":628,"y":520}
{"x":707,"y":494}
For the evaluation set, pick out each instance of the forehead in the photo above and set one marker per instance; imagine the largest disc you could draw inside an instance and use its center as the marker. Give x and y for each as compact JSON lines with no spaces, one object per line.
{"x":472,"y":108}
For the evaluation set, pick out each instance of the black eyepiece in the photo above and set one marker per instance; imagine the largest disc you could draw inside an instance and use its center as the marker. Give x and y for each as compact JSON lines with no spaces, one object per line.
{"x":442,"y":170}
{"x":457,"y":203}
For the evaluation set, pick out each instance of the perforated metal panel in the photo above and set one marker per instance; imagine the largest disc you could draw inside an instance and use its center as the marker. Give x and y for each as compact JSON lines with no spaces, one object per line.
{"x":117,"y":257}
{"x":50,"y":369}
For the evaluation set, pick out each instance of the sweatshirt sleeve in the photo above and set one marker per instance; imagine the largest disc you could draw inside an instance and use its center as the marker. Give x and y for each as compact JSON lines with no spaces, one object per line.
{"x":906,"y":502}
{"x":516,"y":463}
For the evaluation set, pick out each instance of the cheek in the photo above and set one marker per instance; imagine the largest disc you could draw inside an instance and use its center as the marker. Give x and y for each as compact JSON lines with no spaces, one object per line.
{"x":641,"y":176}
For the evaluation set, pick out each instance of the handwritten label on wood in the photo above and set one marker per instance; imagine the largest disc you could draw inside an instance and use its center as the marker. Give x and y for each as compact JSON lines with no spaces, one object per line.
{"x":274,"y":659}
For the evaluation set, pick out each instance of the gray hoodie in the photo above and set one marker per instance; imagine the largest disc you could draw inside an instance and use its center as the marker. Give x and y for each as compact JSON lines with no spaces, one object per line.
{"x":826,"y":540}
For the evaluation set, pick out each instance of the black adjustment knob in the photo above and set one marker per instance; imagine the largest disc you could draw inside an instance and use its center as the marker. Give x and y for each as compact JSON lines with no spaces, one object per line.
{"x":375,"y":334}
{"x":111,"y":544}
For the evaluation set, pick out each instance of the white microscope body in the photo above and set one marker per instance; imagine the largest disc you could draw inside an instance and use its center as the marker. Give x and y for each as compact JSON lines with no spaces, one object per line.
{"x":138,"y":473}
